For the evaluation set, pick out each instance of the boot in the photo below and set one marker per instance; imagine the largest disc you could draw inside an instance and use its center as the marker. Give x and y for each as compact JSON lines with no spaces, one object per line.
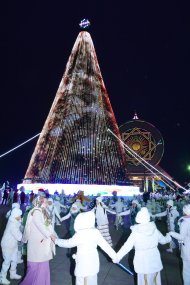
{"x":4,"y":281}
{"x":3,"y":274}
{"x":14,"y":275}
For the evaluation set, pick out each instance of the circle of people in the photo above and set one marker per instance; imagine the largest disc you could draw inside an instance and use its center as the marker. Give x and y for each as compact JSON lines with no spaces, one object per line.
{"x":32,"y":235}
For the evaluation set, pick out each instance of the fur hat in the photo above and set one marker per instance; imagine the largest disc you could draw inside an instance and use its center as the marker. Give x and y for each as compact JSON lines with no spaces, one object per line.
{"x":50,"y":200}
{"x":170,"y":203}
{"x":15,"y":205}
{"x":186,"y":209}
{"x":16,"y":213}
{"x":84,"y":220}
{"x":143,"y":216}
{"x":135,"y":202}
{"x":99,"y":199}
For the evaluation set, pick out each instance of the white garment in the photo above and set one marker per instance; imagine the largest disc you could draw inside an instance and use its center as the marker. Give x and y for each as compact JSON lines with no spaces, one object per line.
{"x":171,"y":214}
{"x":186,"y":272}
{"x":9,"y":245}
{"x":101,"y":214}
{"x":89,"y":280}
{"x":145,"y":238}
{"x":40,"y":247}
{"x":58,"y":206}
{"x":53,"y":214}
{"x":184,"y":237}
{"x":11,"y":236}
{"x":86,"y":238}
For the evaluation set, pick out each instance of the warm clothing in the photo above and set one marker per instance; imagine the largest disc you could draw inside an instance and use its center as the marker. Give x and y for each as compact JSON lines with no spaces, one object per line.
{"x":145,"y":238}
{"x":53,"y":214}
{"x":37,"y":233}
{"x":86,"y":238}
{"x":100,"y":211}
{"x":11,"y":236}
{"x":184,"y":238}
{"x":171,"y":214}
{"x":9,"y":245}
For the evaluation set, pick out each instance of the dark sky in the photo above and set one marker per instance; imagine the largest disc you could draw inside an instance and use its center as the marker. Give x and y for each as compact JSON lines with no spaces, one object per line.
{"x":143,"y":52}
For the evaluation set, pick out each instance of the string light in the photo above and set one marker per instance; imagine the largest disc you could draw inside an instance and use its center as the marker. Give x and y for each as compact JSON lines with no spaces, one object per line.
{"x":140,"y":159}
{"x":11,"y":150}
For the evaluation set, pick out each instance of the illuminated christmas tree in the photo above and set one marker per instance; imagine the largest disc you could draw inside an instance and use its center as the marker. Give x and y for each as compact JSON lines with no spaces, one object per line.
{"x":74,"y":145}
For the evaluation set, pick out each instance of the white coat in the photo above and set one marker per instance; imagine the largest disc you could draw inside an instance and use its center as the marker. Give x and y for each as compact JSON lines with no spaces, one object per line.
{"x":86,"y":238}
{"x":171,"y":214}
{"x":40,"y":247}
{"x":53,"y":213}
{"x":58,"y":206}
{"x":144,"y":238}
{"x":11,"y":236}
{"x":184,"y":237}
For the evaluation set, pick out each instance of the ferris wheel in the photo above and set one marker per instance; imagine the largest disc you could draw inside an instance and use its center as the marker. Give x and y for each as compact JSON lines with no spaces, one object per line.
{"x":144,"y":139}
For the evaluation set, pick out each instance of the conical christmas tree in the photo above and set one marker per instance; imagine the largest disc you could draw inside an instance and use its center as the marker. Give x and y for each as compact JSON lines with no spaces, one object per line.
{"x":74,"y":145}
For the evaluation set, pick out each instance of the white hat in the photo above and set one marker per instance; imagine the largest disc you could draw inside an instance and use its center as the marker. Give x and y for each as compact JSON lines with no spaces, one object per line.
{"x":99,"y":199}
{"x":143,"y":216}
{"x":50,"y":199}
{"x":135,"y":202}
{"x":170,"y":203}
{"x":16,"y":213}
{"x":186,"y":209}
{"x":15,"y":205}
{"x":84,"y":220}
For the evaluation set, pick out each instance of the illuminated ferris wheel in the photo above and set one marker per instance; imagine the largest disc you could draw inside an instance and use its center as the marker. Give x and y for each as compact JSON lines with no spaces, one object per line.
{"x":144,"y":139}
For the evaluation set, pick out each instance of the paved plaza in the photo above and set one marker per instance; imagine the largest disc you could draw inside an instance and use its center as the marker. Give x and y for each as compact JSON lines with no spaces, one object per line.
{"x":110,"y":274}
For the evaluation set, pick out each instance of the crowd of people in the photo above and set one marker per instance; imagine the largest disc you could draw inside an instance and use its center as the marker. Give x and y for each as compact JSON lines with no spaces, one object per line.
{"x":30,"y":234}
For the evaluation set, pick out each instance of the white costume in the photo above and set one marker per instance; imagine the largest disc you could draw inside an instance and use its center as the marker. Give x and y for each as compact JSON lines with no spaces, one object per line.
{"x":184,"y":238}
{"x":53,"y":212}
{"x":58,"y":207}
{"x":9,"y":245}
{"x":19,"y":255}
{"x":134,"y":209}
{"x":171,"y":213}
{"x":14,"y":205}
{"x":145,"y":238}
{"x":102,"y":222}
{"x":86,"y":238}
{"x":119,"y":205}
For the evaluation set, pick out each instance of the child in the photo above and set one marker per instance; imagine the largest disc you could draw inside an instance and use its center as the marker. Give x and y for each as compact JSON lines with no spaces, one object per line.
{"x":145,"y":238}
{"x":9,"y":245}
{"x":86,"y":238}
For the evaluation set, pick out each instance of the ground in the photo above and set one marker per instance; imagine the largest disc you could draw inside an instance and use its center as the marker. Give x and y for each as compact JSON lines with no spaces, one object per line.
{"x":110,"y":274}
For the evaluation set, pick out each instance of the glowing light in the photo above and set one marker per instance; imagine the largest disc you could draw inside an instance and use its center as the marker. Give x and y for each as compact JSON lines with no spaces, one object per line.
{"x":70,"y":189}
{"x":19,"y":145}
{"x":85,"y":23}
{"x":145,"y":163}
{"x":188,"y":167}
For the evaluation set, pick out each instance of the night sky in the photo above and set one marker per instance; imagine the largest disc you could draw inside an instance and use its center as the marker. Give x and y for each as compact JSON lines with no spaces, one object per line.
{"x":143,"y":52}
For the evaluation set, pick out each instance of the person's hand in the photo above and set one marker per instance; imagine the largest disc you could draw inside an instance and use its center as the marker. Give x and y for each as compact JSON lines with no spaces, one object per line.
{"x":115,"y":260}
{"x":53,"y":238}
